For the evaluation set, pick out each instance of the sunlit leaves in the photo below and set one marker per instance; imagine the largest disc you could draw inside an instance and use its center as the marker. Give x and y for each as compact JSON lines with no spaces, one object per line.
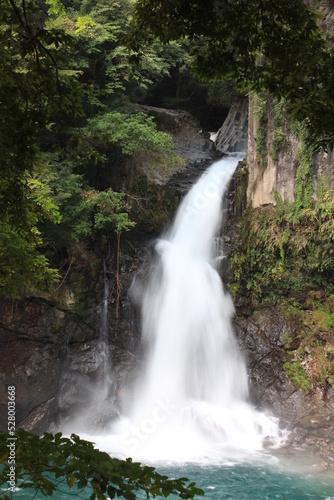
{"x":83,"y":22}
{"x":22,"y":266}
{"x":133,"y":132}
{"x":108,"y":208}
{"x":59,"y":67}
{"x":55,"y":7}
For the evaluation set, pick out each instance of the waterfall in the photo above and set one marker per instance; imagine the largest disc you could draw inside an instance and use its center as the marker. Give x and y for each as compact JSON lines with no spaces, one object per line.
{"x":192,"y":354}
{"x":103,"y":401}
{"x":104,"y":337}
{"x":100,"y":392}
{"x":191,"y":402}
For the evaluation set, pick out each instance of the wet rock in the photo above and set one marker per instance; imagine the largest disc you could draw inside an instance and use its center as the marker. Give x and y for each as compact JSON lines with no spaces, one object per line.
{"x":308,"y":416}
{"x":35,"y":335}
{"x":39,"y":419}
{"x":191,"y":143}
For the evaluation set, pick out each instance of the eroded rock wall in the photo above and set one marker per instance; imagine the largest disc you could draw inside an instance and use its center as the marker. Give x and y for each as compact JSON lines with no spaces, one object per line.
{"x":232,"y":136}
{"x":277,"y":172}
{"x":275,"y":169}
{"x":266,"y":175}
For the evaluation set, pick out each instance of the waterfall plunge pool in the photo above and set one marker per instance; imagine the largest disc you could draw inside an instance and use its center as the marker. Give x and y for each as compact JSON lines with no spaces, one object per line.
{"x":233,"y":481}
{"x":253,"y":481}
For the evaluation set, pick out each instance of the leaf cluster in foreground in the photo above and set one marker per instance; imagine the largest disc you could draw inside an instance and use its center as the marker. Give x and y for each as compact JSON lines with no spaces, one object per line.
{"x":56,"y":463}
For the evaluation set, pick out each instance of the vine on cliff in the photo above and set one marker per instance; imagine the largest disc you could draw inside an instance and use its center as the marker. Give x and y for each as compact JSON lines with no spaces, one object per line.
{"x":260,"y":111}
{"x":278,"y":137}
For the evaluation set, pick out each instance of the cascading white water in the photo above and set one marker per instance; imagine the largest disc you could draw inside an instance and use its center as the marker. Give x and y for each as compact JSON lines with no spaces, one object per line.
{"x":191,"y":402}
{"x":186,"y":313}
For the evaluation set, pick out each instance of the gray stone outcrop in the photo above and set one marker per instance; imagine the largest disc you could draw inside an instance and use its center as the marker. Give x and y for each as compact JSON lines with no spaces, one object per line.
{"x":233,"y":135}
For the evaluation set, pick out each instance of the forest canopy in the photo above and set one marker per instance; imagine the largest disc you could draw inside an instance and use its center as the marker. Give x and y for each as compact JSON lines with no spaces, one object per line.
{"x":259,"y":44}
{"x":68,"y":121}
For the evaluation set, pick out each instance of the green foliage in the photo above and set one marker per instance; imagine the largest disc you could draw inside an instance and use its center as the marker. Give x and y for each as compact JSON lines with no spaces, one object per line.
{"x":261,"y":143}
{"x":256,"y":44}
{"x":287,"y":340}
{"x":101,"y":28}
{"x":260,"y":111}
{"x":262,"y":106}
{"x":278,"y":135}
{"x":279,"y":113}
{"x":67,"y":189}
{"x":55,"y":7}
{"x":290,"y":246}
{"x":309,"y":343}
{"x":52,"y":462}
{"x":298,"y":375}
{"x":22,"y":266}
{"x":134,"y":133}
{"x":66,"y":86}
{"x":241,"y":183}
{"x":108,"y":210}
{"x":223,"y":93}
{"x":155,"y":205}
{"x":286,"y":258}
{"x":304,"y":181}
{"x":38,"y":91}
{"x":86,"y":213}
{"x":278,"y":143}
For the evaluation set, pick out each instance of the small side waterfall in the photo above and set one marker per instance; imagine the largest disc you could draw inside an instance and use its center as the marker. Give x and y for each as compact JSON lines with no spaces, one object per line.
{"x":104,"y":382}
{"x":103,"y":401}
{"x":100,"y":392}
{"x":191,"y":402}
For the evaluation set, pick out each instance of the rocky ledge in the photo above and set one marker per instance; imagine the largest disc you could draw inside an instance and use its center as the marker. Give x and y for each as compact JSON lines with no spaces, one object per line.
{"x":308,"y":416}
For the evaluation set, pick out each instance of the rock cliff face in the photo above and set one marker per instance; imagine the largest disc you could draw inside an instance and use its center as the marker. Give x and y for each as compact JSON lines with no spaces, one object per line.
{"x":262,"y":331}
{"x":271,"y":172}
{"x":308,"y":416}
{"x":264,"y":334}
{"x":277,"y":172}
{"x":53,"y":353}
{"x":233,"y":135}
{"x":265,"y":174}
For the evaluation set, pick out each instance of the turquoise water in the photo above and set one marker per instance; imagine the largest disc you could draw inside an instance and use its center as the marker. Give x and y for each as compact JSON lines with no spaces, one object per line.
{"x":254,"y":482}
{"x":234,"y":482}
